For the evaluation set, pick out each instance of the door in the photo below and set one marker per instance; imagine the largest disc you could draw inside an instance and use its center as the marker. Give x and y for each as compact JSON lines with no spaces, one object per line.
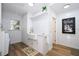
{"x":54,"y":29}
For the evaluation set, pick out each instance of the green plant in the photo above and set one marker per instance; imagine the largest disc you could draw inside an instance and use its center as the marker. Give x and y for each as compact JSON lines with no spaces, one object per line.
{"x":44,"y":8}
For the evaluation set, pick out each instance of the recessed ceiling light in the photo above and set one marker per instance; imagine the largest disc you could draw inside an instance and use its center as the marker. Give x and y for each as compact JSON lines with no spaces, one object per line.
{"x":30,"y":4}
{"x":67,"y":6}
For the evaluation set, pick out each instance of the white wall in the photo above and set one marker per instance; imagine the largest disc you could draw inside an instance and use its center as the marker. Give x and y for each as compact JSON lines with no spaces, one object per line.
{"x":26,"y":26}
{"x":29,"y":22}
{"x":71,"y":40}
{"x":24,"y":29}
{"x":0,"y":14}
{"x":6,"y":17}
{"x":41,"y":24}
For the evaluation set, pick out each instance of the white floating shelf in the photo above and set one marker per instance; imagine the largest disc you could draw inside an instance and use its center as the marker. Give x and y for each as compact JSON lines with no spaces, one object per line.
{"x":38,"y":14}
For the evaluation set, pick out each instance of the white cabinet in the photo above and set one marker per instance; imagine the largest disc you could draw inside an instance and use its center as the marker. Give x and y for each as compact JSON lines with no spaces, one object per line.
{"x":4,"y":43}
{"x":40,"y":44}
{"x":15,"y":36}
{"x":1,"y":41}
{"x":35,"y":44}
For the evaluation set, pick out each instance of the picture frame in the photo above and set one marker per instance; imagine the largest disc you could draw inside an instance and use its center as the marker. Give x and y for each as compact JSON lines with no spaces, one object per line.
{"x":68,"y":25}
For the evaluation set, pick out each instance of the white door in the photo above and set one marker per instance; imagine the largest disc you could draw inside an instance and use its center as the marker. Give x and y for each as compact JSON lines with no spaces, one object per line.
{"x":54,"y":29}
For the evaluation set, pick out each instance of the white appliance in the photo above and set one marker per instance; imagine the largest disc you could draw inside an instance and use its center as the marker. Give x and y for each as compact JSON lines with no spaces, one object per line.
{"x":4,"y":43}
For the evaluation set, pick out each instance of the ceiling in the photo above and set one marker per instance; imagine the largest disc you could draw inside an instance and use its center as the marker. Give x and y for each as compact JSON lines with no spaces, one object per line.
{"x":58,"y":8}
{"x":22,"y":8}
{"x":14,"y":7}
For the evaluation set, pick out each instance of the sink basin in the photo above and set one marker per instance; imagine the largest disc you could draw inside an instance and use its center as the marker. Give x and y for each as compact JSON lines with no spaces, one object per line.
{"x":32,"y":36}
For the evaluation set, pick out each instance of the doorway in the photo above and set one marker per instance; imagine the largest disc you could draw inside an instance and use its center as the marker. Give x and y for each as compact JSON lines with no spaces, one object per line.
{"x":54,"y":30}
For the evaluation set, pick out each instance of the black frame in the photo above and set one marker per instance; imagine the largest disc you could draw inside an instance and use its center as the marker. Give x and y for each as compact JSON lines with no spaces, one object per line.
{"x":68,"y":25}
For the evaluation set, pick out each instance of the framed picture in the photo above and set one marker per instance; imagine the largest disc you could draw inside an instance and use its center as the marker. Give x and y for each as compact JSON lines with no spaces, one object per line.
{"x":68,"y":25}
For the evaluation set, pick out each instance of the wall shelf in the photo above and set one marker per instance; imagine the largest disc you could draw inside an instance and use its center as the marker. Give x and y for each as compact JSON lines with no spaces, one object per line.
{"x":38,"y":14}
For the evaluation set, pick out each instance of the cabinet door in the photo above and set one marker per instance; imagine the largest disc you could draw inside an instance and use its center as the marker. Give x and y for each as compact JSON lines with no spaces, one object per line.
{"x":40,"y":44}
{"x":35,"y":44}
{"x":1,"y":42}
{"x":6,"y":43}
{"x":15,"y":36}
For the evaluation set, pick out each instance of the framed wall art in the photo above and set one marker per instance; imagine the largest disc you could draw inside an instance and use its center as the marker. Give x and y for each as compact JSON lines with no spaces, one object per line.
{"x":68,"y":25}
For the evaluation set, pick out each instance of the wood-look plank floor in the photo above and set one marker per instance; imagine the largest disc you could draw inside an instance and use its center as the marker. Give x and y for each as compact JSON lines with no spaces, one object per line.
{"x":57,"y":50}
{"x":60,"y":50}
{"x":15,"y":50}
